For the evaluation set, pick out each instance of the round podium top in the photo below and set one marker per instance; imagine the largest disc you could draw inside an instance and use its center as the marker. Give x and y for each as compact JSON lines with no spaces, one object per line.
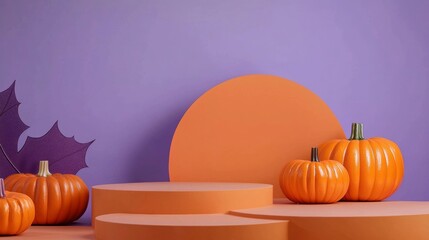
{"x":339,"y":210}
{"x":178,"y":197}
{"x":187,"y":226}
{"x":349,"y":220}
{"x":182,"y":186}
{"x":178,"y":220}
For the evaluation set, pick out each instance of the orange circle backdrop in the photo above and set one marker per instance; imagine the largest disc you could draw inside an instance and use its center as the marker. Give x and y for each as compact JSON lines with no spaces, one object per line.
{"x":246,"y":129}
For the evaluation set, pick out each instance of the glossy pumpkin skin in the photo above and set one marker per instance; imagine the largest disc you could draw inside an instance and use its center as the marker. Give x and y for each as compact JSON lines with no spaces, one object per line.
{"x":16,"y":212}
{"x":58,"y":198}
{"x":304,"y":181}
{"x":375,"y":165}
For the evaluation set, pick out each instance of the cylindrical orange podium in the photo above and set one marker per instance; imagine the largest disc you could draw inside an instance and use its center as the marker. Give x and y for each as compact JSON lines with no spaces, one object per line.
{"x":189,"y":227}
{"x":349,"y":220}
{"x":178,"y":197}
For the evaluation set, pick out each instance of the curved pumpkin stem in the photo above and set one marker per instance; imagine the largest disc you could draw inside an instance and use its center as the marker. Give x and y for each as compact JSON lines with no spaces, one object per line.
{"x":314,"y":154}
{"x":8,"y":159}
{"x":44,"y":169}
{"x":2,"y":189}
{"x":357,"y":132}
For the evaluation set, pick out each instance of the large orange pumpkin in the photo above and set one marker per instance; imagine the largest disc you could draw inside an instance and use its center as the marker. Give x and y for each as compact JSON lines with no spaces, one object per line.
{"x":314,"y":181}
{"x":58,"y":198}
{"x":375,"y":165}
{"x":16,"y":211}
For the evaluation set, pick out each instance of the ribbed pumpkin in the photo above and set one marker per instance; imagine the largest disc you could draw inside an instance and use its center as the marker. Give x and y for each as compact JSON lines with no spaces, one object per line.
{"x":314,"y":181}
{"x":58,"y":198}
{"x":375,"y":165}
{"x":16,"y":211}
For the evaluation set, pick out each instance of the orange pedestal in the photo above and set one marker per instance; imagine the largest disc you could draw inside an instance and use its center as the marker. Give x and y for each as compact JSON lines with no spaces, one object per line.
{"x":57,"y":233}
{"x":179,"y":211}
{"x":178,"y":198}
{"x":349,"y":220}
{"x":189,"y":227}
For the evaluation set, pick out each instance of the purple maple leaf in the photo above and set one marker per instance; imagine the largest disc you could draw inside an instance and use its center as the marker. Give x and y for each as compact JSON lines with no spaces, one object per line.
{"x":11,"y":127}
{"x":65,"y":154}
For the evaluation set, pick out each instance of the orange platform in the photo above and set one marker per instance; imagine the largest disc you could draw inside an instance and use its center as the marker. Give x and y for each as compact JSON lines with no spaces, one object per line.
{"x":178,"y":198}
{"x":189,"y":227}
{"x":349,"y":220}
{"x":280,"y":221}
{"x":56,"y":233}
{"x":165,"y":210}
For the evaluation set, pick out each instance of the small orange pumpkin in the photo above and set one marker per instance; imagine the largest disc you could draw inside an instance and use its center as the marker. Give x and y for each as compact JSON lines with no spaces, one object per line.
{"x":16,"y":211}
{"x":314,"y":181}
{"x":58,"y":198}
{"x":375,"y":165}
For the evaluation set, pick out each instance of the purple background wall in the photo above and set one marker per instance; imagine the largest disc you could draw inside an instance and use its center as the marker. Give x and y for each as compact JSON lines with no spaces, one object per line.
{"x":124,"y":72}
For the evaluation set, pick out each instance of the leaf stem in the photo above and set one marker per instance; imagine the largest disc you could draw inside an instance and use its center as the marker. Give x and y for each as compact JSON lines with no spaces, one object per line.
{"x":8,"y":159}
{"x":2,"y":189}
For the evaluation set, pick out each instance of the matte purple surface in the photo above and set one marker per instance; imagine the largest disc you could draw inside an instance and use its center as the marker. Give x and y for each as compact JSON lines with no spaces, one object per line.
{"x":124,"y":72}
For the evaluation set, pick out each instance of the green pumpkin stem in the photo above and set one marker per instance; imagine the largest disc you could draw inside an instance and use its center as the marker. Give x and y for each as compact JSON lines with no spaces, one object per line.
{"x":357,"y":132}
{"x":44,"y":169}
{"x":315,"y":154}
{"x":2,"y":189}
{"x":8,"y":159}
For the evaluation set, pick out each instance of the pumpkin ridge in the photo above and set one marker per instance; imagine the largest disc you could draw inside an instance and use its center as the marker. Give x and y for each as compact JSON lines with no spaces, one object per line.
{"x":65,"y":201}
{"x":334,"y":150}
{"x":343,"y":171}
{"x":331,"y":145}
{"x":315,"y":167}
{"x":394,"y":186}
{"x":14,"y":209}
{"x":69,"y":195}
{"x":5,"y":212}
{"x":40,"y":199}
{"x":328,"y":186}
{"x":81,"y":198}
{"x":11,"y":181}
{"x":378,"y":192}
{"x":303,"y":167}
{"x":9,"y":212}
{"x":312,"y":183}
{"x":360,"y":171}
{"x":76,"y":199}
{"x":399,"y":169}
{"x":339,"y":171}
{"x":22,"y":217}
{"x":323,"y":178}
{"x":289,"y":181}
{"x":366,"y":177}
{"x":28,"y":187}
{"x":336,"y":191}
{"x":292,"y":180}
{"x":53,"y":199}
{"x":392,"y":162}
{"x":350,"y":164}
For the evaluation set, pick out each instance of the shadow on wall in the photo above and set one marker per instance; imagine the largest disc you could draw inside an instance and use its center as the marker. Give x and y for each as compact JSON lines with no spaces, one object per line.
{"x":150,"y":160}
